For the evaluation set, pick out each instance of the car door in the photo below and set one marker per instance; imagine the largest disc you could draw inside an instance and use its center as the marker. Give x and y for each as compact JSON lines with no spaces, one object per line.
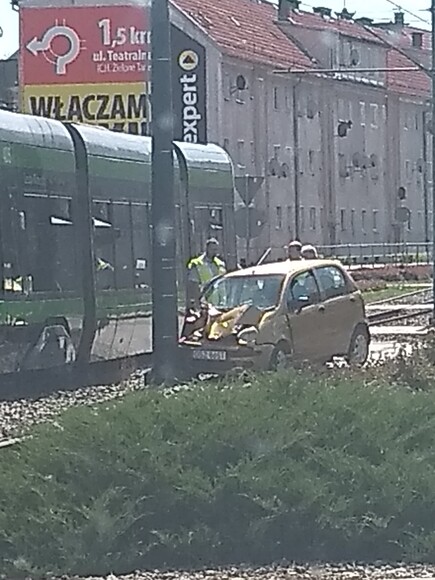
{"x":305,"y":316}
{"x":340,"y":308}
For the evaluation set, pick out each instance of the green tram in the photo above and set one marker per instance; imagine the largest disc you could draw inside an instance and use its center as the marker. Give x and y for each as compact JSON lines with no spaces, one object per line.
{"x":75,"y":237}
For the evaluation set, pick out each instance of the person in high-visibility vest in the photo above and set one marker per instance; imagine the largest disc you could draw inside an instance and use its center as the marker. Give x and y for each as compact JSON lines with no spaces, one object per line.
{"x":103,"y":265}
{"x":202,"y":269}
{"x":13,"y":284}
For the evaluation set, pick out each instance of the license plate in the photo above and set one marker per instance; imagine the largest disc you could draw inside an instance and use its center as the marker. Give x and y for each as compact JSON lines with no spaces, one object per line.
{"x":219,"y":355}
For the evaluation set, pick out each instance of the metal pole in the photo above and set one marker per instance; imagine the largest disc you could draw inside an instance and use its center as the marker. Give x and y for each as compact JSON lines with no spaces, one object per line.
{"x":433,"y":155}
{"x":164,"y":281}
{"x":296,"y":160}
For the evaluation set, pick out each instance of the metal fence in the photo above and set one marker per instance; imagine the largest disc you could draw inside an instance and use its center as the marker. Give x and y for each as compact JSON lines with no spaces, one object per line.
{"x":399,"y":253}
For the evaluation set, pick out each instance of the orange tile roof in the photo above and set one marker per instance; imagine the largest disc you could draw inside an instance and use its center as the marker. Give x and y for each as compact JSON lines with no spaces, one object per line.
{"x":345,"y":27}
{"x":248,"y":30}
{"x":412,"y":83}
{"x":245,"y":29}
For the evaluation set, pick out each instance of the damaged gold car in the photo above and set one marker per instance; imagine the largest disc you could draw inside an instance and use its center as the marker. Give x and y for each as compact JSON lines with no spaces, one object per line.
{"x":265,"y":317}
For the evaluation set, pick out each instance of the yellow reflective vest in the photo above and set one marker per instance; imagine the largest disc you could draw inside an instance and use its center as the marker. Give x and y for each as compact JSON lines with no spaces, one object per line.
{"x":13,"y":284}
{"x":207,"y":269}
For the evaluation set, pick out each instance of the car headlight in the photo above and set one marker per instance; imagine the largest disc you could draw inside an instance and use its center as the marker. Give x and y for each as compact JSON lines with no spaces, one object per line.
{"x":248,"y":336}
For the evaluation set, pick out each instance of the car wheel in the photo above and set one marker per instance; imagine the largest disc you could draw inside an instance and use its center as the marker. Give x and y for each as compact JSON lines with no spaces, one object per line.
{"x":279,"y":359}
{"x":359,"y":347}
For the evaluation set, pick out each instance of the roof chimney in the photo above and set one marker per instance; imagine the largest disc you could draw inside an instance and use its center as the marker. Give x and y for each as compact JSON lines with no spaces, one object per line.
{"x":322,"y":11}
{"x":345,"y":14}
{"x":285,"y":7}
{"x":417,"y":40}
{"x":399,"y":18}
{"x":364,"y":21}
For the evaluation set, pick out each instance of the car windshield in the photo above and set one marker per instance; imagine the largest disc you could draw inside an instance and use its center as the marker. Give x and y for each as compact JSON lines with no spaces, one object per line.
{"x":229,"y":292}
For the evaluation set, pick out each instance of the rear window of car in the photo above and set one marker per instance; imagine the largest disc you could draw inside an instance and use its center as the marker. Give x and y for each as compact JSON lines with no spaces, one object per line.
{"x":332,"y":281}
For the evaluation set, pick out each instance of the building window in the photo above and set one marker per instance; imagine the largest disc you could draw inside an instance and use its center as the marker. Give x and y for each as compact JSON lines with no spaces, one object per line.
{"x":302,"y":218}
{"x":362,"y":113}
{"x":352,"y":221}
{"x":276,"y":151}
{"x":406,"y":120}
{"x":278,"y":225}
{"x":312,"y":218}
{"x":311,"y":161}
{"x":375,"y":220}
{"x":289,"y":218}
{"x":322,"y":217}
{"x":288,"y":100}
{"x":363,"y":220}
{"x":374,"y":115}
{"x":227,"y":145}
{"x":408,"y":170}
{"x":409,"y":224}
{"x":241,"y":153}
{"x":227,"y":87}
{"x":252,"y":153}
{"x":343,"y":220}
{"x":276,"y":98}
{"x":417,"y":122}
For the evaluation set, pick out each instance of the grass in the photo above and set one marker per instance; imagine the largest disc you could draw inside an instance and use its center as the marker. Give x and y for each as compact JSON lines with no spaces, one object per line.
{"x":304,"y":466}
{"x":391,"y":291}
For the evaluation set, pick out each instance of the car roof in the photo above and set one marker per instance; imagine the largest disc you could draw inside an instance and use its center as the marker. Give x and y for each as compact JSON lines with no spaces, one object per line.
{"x":284,"y":268}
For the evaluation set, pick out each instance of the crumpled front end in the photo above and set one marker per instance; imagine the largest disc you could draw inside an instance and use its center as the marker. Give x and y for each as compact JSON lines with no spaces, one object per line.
{"x":220,"y":341}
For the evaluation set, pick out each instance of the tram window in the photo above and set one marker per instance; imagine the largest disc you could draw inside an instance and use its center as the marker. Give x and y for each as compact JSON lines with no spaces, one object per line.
{"x":141,"y":220}
{"x":124,"y":261}
{"x":38,"y":245}
{"x":216,"y":219}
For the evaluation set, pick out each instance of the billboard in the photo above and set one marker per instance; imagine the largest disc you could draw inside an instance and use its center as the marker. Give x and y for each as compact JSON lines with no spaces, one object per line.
{"x":87,"y":64}
{"x":92,"y":64}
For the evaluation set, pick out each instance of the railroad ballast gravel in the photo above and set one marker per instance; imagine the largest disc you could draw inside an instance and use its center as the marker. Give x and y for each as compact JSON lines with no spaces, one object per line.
{"x":17,"y":417}
{"x":293,"y":572}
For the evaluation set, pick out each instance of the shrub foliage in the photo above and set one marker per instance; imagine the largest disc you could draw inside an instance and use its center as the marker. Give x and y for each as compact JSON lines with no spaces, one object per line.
{"x":303,"y":465}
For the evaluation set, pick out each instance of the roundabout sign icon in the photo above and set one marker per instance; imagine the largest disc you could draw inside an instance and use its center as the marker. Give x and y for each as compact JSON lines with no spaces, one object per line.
{"x":44,"y":45}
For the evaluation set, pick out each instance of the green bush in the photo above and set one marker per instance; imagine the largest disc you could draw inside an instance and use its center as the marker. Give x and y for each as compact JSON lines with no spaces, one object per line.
{"x":306,"y":466}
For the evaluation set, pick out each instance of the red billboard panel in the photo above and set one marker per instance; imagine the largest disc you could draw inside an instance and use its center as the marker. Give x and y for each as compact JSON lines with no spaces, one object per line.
{"x":84,"y":45}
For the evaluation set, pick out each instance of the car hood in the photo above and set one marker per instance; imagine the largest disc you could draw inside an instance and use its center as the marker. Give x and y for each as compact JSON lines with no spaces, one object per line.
{"x":212,"y":325}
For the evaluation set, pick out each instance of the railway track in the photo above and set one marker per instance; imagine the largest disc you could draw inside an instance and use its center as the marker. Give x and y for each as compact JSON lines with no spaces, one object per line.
{"x":402,"y":308}
{"x":42,"y":382}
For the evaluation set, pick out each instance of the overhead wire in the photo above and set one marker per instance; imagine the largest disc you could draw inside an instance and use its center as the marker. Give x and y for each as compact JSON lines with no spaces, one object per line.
{"x":406,"y":11}
{"x":395,"y":4}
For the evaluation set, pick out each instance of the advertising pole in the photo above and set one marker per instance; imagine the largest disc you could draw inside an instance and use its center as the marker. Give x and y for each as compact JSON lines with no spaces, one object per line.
{"x":164,"y":283}
{"x":432,"y":11}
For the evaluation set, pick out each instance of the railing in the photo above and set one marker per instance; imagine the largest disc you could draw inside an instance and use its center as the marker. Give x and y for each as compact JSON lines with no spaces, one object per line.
{"x":378,"y":253}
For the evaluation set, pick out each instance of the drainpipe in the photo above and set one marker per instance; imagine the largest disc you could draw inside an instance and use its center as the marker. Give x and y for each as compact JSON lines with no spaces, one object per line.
{"x":296,"y":158}
{"x":425,"y":184}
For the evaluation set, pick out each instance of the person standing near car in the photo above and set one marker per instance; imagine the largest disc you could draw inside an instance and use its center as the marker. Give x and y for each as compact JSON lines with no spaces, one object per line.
{"x":202,"y":269}
{"x":309,"y":252}
{"x":294,"y":250}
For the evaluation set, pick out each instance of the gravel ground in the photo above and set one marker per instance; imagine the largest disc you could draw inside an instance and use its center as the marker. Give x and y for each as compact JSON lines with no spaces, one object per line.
{"x":16,"y":417}
{"x":293,"y":572}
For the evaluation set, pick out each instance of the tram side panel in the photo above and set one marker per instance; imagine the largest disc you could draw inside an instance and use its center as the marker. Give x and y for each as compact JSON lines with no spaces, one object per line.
{"x":40,"y":304}
{"x":119,"y":170}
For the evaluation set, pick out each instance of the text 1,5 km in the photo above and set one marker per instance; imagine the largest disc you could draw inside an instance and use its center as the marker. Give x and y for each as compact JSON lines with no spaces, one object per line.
{"x":122,"y":35}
